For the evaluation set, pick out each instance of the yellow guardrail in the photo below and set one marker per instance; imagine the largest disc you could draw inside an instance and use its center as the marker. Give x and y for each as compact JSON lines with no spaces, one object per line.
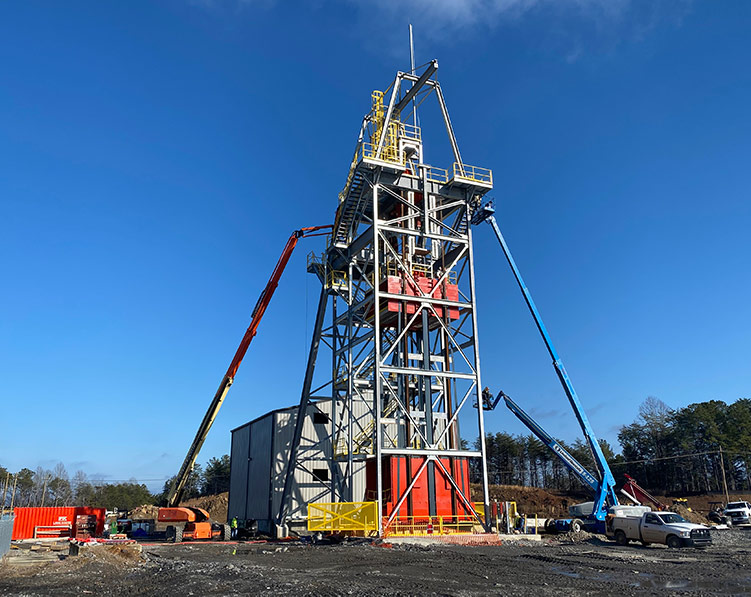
{"x":393,"y":269}
{"x":350,"y":176}
{"x":473,"y":173}
{"x":357,"y":517}
{"x":389,"y":153}
{"x":433,"y":525}
{"x":438,"y":175}
{"x":333,"y":278}
{"x":409,"y":131}
{"x":314,"y":260}
{"x":437,"y":525}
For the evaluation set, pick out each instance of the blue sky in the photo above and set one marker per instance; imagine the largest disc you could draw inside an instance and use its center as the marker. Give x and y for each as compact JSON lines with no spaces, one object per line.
{"x":156,"y":155}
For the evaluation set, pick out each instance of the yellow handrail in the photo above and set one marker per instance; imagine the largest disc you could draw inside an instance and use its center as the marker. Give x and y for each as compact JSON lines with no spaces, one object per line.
{"x":438,"y":174}
{"x":474,"y":173}
{"x":433,"y":525}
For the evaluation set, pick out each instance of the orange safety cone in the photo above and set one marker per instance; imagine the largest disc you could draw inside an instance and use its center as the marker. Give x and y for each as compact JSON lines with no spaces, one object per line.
{"x":430,"y":527}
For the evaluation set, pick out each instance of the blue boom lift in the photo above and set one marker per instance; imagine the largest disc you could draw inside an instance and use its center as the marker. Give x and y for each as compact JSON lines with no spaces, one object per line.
{"x":602,"y":485}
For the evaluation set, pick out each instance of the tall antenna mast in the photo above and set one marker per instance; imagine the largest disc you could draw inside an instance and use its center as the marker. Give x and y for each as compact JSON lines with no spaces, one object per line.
{"x":412,"y":65}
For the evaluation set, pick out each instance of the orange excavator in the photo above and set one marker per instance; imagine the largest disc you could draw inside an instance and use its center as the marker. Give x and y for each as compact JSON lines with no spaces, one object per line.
{"x":195,"y":523}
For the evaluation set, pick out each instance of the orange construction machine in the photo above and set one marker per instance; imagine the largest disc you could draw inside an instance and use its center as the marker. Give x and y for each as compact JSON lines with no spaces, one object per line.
{"x":192,"y":523}
{"x":195,"y":523}
{"x":178,"y":485}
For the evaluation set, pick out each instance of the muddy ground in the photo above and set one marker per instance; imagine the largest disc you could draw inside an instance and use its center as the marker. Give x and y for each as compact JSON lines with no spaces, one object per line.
{"x":552,"y":567}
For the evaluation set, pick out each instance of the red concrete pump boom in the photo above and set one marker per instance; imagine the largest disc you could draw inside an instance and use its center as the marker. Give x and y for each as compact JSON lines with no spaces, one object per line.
{"x":178,"y":485}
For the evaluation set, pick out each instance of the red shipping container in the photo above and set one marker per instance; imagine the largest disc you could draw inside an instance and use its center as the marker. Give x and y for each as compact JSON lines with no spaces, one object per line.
{"x":53,"y":521}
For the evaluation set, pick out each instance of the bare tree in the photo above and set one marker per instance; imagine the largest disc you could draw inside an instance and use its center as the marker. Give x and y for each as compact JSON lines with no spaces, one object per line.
{"x":59,"y":487}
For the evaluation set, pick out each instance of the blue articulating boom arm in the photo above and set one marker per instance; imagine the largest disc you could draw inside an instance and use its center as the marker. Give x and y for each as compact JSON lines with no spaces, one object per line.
{"x":606,"y":488}
{"x":572,"y":463}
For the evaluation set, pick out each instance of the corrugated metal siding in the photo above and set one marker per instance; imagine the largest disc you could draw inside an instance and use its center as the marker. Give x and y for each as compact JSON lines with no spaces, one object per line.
{"x":317,"y":450}
{"x":358,"y":481}
{"x":238,"y":475}
{"x":284,"y":432}
{"x":318,"y":453}
{"x":268,"y":444}
{"x":259,"y":468}
{"x":6,"y":532}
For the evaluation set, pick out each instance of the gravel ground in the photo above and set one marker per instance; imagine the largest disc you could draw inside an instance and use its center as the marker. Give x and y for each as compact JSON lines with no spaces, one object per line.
{"x":552,"y":567}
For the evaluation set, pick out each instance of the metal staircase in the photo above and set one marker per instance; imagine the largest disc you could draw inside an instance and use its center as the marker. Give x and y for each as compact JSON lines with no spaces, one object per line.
{"x":348,"y":209}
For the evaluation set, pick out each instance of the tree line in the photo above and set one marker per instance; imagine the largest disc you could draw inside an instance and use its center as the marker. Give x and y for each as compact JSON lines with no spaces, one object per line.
{"x":697,"y":449}
{"x":43,"y":487}
{"x":700,"y":448}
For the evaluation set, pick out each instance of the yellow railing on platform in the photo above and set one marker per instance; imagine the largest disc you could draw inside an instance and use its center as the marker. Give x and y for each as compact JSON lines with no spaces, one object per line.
{"x":409,"y":131}
{"x":331,"y":278}
{"x":475,"y":173}
{"x":389,"y":152}
{"x":392,"y":268}
{"x":433,"y":525}
{"x":438,"y":175}
{"x":357,"y":517}
{"x":314,"y":260}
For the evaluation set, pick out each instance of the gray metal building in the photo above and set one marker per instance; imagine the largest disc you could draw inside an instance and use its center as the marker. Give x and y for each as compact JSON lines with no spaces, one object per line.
{"x":258,"y":467}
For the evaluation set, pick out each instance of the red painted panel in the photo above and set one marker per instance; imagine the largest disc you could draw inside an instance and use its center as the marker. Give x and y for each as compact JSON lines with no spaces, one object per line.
{"x":403,"y":285}
{"x":444,"y":491}
{"x":452,"y":294}
{"x":398,"y":473}
{"x":393,"y":286}
{"x":419,"y":501}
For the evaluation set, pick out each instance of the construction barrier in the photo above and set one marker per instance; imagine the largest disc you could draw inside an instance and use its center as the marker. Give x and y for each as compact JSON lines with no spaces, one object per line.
{"x":6,"y":532}
{"x":355,"y":517}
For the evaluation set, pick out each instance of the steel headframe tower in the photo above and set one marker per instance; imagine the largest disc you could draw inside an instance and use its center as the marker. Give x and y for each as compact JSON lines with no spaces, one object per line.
{"x":398,"y":284}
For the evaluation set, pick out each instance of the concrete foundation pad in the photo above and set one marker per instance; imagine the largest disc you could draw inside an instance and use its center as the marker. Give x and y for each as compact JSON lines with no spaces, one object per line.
{"x":512,"y":538}
{"x":479,"y":539}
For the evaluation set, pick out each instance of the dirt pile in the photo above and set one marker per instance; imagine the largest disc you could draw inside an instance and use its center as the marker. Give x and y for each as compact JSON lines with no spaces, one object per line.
{"x":547,"y":503}
{"x":215,"y":505}
{"x":700,"y":503}
{"x":531,"y":500}
{"x":689,"y":514}
{"x":116,"y":555}
{"x":145,"y":512}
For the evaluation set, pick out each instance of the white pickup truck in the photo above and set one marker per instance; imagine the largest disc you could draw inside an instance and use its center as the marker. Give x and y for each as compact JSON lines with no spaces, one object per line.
{"x":625,"y":524}
{"x":739,"y":512}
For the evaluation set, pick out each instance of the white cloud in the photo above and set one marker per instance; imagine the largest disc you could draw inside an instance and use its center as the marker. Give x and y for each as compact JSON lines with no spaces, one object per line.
{"x":463,"y":13}
{"x":574,"y":27}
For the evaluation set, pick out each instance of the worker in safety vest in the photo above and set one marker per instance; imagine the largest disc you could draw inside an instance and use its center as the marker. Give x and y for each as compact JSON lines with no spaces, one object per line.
{"x":233,"y":526}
